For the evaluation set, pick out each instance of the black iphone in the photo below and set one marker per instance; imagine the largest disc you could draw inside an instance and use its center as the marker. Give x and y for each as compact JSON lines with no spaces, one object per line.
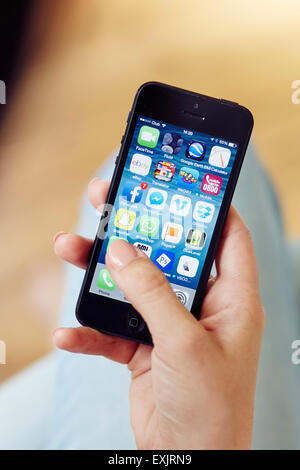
{"x":173,"y":182}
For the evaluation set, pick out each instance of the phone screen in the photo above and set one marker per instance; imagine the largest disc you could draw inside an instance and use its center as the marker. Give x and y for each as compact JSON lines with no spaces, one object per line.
{"x":167,"y":203}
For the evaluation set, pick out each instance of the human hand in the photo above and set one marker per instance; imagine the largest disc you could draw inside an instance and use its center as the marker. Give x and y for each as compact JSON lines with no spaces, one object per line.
{"x":195,"y":388}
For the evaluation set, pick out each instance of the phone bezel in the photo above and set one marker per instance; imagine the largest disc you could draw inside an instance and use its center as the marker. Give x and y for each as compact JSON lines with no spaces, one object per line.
{"x":223,"y":119}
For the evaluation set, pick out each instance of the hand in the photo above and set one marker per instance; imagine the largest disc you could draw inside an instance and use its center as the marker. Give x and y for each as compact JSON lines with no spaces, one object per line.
{"x":195,"y":388}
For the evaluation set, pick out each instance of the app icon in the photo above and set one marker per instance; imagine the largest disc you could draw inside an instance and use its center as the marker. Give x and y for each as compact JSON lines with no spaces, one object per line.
{"x":148,"y":226}
{"x":187,"y":266}
{"x":112,"y":239}
{"x":187,"y":177}
{"x":125,"y":219}
{"x":180,"y":205}
{"x":203,"y":211}
{"x":164,"y":171}
{"x":195,"y":150}
{"x":147,"y":249}
{"x":172,"y":233}
{"x":219,"y":156}
{"x":148,"y":136}
{"x":132,"y":192}
{"x":171,"y":143}
{"x":140,"y":164}
{"x":156,"y":198}
{"x":195,"y":239}
{"x":211,"y":184}
{"x":183,"y":296}
{"x":105,"y":281}
{"x":164,"y":259}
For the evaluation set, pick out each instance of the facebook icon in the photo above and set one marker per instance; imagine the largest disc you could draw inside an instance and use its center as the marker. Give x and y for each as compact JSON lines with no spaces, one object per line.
{"x":132,"y":192}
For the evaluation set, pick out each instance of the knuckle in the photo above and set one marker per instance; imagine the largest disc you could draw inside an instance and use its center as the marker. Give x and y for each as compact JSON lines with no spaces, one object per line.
{"x":256,"y":316}
{"x":247,"y":231}
{"x":260,"y":318}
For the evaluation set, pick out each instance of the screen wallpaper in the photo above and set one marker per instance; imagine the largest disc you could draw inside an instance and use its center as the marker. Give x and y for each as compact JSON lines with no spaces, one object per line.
{"x":167,"y":203}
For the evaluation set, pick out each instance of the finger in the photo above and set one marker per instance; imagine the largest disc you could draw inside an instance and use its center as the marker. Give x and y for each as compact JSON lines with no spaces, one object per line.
{"x":210,"y":283}
{"x":85,"y":340}
{"x":97,"y":192}
{"x":235,"y":259}
{"x":73,"y":248}
{"x":232,"y":305}
{"x":146,"y":287}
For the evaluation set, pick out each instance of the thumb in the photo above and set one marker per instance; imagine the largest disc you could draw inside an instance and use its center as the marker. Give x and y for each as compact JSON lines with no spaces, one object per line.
{"x":148,"y":290}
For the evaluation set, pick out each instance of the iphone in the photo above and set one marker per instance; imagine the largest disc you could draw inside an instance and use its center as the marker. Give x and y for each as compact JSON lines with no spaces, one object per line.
{"x":174,"y":179}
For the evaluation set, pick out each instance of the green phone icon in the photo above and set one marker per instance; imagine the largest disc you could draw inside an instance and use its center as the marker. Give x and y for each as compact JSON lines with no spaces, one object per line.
{"x":148,"y":136}
{"x":105,"y":281}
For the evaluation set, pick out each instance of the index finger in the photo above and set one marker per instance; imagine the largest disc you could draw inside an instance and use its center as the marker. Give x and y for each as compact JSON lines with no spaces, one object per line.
{"x":235,"y":258}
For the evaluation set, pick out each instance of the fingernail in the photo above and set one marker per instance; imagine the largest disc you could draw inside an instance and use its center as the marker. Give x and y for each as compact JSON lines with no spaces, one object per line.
{"x":57,"y":235}
{"x":57,"y":336}
{"x":53,"y":334}
{"x":120,"y":253}
{"x":94,"y":179}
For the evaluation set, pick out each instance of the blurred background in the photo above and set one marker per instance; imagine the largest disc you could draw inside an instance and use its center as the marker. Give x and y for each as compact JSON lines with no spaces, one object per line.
{"x":72,"y":68}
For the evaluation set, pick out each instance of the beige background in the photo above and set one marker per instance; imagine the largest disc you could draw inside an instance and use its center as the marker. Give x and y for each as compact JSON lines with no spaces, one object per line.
{"x":83,"y":61}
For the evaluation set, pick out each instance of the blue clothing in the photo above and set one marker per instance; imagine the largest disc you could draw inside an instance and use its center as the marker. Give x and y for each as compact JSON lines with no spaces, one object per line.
{"x":81,"y":402}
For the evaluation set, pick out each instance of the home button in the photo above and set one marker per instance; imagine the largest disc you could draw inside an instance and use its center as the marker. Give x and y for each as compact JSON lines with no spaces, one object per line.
{"x":135,"y":322}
